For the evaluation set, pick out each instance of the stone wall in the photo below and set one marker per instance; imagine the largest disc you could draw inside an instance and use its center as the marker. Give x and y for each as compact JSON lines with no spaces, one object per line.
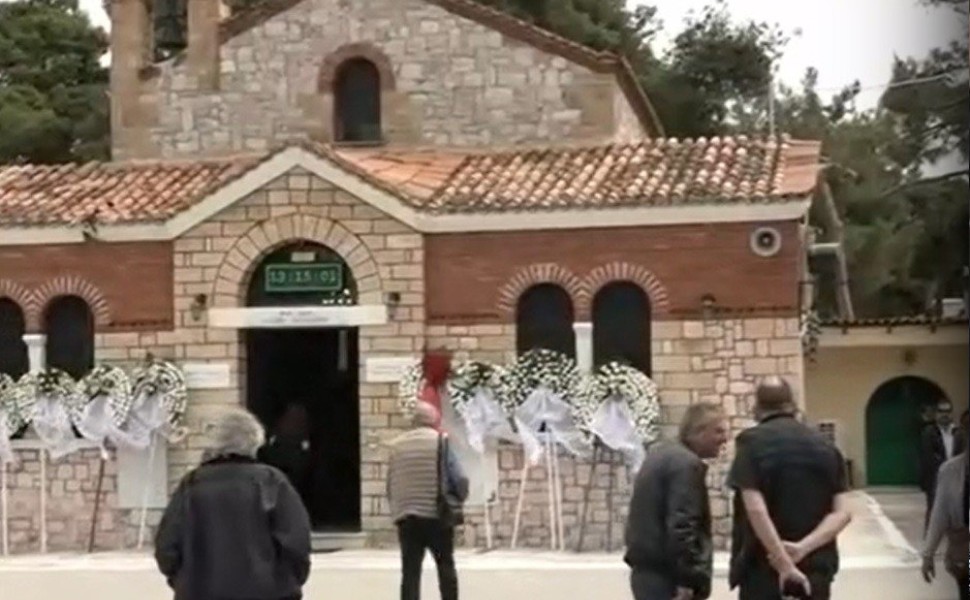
{"x":451,"y":82}
{"x":71,"y":486}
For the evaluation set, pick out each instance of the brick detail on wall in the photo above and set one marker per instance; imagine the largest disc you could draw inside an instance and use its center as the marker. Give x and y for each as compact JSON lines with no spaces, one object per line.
{"x":333,"y":61}
{"x":24,"y":298}
{"x":625,"y":271}
{"x":508,"y":294}
{"x":246,"y":254}
{"x":72,"y":285}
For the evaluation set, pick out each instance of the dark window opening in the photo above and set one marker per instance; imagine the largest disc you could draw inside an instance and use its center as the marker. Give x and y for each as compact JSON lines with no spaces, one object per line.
{"x":357,"y":102}
{"x":621,"y":326}
{"x":14,"y":360}
{"x":69,"y":325}
{"x":169,"y":25}
{"x":544,"y":319}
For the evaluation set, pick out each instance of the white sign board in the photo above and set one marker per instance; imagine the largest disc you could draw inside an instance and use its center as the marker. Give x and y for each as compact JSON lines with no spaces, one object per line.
{"x":298,"y":316}
{"x":207,"y":376}
{"x":386,"y":369}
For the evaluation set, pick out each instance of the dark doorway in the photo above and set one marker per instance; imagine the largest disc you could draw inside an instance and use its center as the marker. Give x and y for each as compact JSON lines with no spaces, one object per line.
{"x":311,"y":372}
{"x":894,"y":422}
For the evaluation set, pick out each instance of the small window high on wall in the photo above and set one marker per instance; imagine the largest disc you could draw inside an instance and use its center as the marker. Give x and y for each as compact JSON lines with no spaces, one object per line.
{"x":621,"y":326}
{"x":357,"y":102}
{"x":14,"y":360}
{"x":544,"y":319}
{"x":69,"y":325}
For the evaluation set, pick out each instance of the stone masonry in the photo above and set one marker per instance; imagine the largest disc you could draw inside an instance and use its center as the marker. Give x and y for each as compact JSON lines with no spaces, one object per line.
{"x":456,"y":82}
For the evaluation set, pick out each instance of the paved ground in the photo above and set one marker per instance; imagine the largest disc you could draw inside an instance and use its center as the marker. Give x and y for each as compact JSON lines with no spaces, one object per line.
{"x":878,"y":565}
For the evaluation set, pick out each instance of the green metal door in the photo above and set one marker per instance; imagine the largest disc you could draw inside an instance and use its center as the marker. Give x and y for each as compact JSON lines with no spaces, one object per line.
{"x":893,"y":427}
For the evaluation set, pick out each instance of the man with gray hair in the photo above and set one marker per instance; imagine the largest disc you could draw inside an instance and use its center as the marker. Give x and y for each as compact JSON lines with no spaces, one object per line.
{"x":668,"y":532}
{"x":234,"y":529}
{"x":790,"y":503}
{"x":425,"y":478}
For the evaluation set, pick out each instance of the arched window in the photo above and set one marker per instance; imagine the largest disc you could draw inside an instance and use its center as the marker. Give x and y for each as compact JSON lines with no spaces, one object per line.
{"x":14,"y":360}
{"x":69,"y":325}
{"x":544,"y":319}
{"x":621,"y":325}
{"x":357,"y":102}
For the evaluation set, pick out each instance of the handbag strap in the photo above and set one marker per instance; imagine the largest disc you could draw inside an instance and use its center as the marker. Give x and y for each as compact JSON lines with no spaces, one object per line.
{"x":440,"y":463}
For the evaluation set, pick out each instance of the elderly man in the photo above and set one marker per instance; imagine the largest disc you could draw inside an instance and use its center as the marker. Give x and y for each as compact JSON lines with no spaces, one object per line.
{"x":790,"y":503}
{"x":235,"y":529}
{"x":951,"y":518}
{"x":668,"y":532}
{"x":423,"y":476}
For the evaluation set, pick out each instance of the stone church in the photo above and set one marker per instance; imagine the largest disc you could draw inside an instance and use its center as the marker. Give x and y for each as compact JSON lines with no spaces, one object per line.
{"x":306,"y":193}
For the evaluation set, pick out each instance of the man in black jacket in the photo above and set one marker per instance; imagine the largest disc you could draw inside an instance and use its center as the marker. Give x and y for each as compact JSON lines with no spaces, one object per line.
{"x":940,"y":441}
{"x":235,"y":529}
{"x":790,"y":503}
{"x":668,"y":533}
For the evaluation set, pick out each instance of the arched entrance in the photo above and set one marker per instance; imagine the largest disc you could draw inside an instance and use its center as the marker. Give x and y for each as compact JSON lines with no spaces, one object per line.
{"x":894,"y":421}
{"x":306,"y":380}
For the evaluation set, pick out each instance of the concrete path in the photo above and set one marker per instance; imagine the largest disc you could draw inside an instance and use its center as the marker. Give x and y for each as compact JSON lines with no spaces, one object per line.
{"x":878,"y":564}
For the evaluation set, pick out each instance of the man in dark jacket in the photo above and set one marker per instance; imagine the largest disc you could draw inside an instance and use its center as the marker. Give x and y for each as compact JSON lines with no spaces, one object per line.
{"x":790,"y":503}
{"x":940,"y":442}
{"x":668,"y":532}
{"x":235,"y":529}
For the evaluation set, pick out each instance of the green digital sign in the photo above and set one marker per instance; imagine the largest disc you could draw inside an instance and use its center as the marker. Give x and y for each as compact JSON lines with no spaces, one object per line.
{"x":304,"y":277}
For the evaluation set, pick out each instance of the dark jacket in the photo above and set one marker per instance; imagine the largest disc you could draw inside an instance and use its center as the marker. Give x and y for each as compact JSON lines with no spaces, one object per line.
{"x":933,"y":453}
{"x":234,"y":530}
{"x":799,"y":473}
{"x":669,"y":527}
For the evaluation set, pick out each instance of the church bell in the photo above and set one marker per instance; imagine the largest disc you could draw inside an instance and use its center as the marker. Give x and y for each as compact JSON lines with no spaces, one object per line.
{"x":170,"y":19}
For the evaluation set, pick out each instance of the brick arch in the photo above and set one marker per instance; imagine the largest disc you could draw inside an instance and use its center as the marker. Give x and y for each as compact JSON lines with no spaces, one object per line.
{"x":239,"y":263}
{"x":508,"y":294}
{"x":25,"y":299}
{"x":331,"y":65}
{"x":73,"y":285}
{"x":656,"y":291}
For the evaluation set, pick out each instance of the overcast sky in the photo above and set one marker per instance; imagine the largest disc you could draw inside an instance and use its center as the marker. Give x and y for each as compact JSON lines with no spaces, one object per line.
{"x":844,"y":39}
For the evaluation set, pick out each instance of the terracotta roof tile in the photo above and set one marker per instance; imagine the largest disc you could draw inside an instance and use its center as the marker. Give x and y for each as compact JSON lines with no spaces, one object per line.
{"x":135,"y":192}
{"x":660,"y":172}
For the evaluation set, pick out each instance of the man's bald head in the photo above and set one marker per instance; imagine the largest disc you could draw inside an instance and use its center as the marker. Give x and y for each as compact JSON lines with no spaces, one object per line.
{"x":774,"y":395}
{"x":425,"y":415}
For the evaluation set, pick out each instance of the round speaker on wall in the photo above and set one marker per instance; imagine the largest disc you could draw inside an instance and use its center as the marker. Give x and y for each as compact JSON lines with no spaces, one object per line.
{"x":766,"y":241}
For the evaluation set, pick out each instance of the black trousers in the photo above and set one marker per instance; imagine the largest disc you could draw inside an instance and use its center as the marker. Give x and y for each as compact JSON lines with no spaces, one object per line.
{"x":649,"y":585}
{"x":417,"y":535}
{"x":761,"y":583}
{"x":930,"y":500}
{"x":964,"y":583}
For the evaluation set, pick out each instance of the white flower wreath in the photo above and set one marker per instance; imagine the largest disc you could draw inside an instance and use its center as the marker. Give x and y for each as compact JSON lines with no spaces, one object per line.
{"x":113,"y":383}
{"x":541,"y":367}
{"x":466,"y":379}
{"x":10,"y":405}
{"x":165,"y":380}
{"x":53,"y":383}
{"x":409,"y":387}
{"x":640,"y":392}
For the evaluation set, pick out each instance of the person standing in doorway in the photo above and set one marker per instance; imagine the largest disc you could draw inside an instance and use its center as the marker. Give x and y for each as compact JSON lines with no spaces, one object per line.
{"x":423,"y":472}
{"x":791,"y":503}
{"x":950,"y":518}
{"x":939,"y":443}
{"x":288,"y":448}
{"x":668,"y":532}
{"x":234,"y":529}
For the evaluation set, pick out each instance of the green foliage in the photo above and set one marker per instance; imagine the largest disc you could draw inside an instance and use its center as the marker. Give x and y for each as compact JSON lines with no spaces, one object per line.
{"x":53,"y":102}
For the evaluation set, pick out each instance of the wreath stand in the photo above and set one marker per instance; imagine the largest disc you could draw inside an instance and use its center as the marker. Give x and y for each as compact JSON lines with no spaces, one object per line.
{"x":43,"y":499}
{"x":97,"y":500}
{"x":601,"y":456}
{"x":5,"y":507}
{"x":143,"y":520}
{"x":554,"y":485}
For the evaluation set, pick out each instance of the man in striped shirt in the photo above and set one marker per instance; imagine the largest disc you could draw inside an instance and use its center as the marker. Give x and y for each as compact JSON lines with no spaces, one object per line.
{"x":422,"y":466}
